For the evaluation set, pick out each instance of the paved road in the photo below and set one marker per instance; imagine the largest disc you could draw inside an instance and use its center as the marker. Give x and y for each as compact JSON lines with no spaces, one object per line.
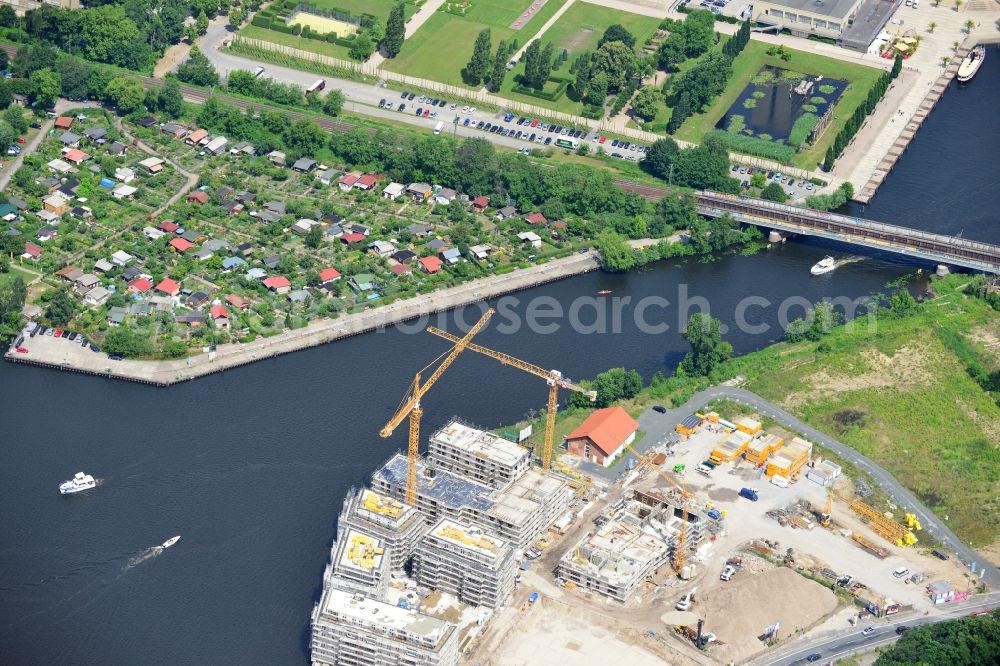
{"x":850,"y":641}
{"x":658,"y":427}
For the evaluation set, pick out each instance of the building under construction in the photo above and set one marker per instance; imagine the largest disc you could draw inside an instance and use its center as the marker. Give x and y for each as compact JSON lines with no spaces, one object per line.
{"x":395,"y":525}
{"x":627,"y":549}
{"x":358,"y":563}
{"x":518,"y":514}
{"x":465,"y":561}
{"x":477,"y":455}
{"x":350,"y":629}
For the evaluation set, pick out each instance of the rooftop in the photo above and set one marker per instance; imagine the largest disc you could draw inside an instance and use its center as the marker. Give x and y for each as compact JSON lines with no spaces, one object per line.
{"x":480,"y":443}
{"x":616,"y":552}
{"x":522,"y":499}
{"x":449,"y":489}
{"x":385,"y":618}
{"x":831,"y":8}
{"x":467,"y":537}
{"x":362,"y":551}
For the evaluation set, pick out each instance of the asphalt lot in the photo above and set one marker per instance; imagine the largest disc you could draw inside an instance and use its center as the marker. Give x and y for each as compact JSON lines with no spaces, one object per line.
{"x":795,"y":187}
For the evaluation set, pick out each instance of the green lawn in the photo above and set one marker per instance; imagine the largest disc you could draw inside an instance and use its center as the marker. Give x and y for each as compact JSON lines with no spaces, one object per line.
{"x":16,"y":272}
{"x":443,"y":45}
{"x":578,"y":31}
{"x":749,"y":62}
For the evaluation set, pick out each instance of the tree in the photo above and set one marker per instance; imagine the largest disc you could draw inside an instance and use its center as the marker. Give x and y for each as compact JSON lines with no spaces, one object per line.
{"x":170,"y":100}
{"x":6,"y":94}
{"x":237,"y":14}
{"x":660,"y":158}
{"x":774,"y":192}
{"x":126,"y":341}
{"x":969,"y":25}
{"x":708,"y":349}
{"x":958,"y":5}
{"x":931,"y":26}
{"x":758,"y":180}
{"x":333,"y":103}
{"x":73,"y":76}
{"x":201,"y":23}
{"x":545,"y":64}
{"x":127,"y":94}
{"x":479,"y":66}
{"x":61,"y":308}
{"x":305,"y":137}
{"x":14,"y":116}
{"x":968,"y":641}
{"x":531,"y":64}
{"x":476,"y":163}
{"x":617,"y":33}
{"x":645,"y":103}
{"x":362,"y":46}
{"x":395,"y":31}
{"x":616,"y":255}
{"x":12,"y":296}
{"x":314,"y":237}
{"x":198,"y":70}
{"x":597,"y":90}
{"x":8,"y":18}
{"x":499,"y":70}
{"x":829,"y":160}
{"x":618,"y":62}
{"x":680,"y":113}
{"x":897,"y":66}
{"x":47,"y":87}
{"x":616,"y":384}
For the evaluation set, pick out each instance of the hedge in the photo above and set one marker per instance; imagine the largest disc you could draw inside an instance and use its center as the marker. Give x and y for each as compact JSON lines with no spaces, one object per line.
{"x":684,"y":9}
{"x":550,"y":95}
{"x":751,"y":145}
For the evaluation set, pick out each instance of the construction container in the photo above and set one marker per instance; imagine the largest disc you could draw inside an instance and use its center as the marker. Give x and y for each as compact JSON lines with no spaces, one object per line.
{"x":731,"y":448}
{"x":790,"y":460}
{"x":748,"y":425}
{"x":824,"y":473}
{"x":761,"y":448}
{"x":712,"y":417}
{"x":690,"y":425}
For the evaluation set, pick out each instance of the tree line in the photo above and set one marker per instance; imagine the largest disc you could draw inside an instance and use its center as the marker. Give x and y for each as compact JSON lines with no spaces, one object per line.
{"x":487,"y":69}
{"x":611,"y":69}
{"x":857,"y":119}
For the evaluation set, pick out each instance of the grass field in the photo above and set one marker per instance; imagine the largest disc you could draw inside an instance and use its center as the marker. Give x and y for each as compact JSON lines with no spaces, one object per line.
{"x":443,"y":45}
{"x":749,"y":62}
{"x":578,"y":31}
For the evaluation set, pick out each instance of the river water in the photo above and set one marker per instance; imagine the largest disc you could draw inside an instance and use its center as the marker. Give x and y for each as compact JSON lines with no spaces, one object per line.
{"x":250,"y":466}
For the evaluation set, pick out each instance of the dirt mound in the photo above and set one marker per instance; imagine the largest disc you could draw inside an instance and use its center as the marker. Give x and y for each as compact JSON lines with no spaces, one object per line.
{"x":737,"y":612}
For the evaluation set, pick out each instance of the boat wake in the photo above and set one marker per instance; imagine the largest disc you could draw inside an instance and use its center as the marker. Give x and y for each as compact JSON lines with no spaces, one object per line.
{"x":144,"y":556}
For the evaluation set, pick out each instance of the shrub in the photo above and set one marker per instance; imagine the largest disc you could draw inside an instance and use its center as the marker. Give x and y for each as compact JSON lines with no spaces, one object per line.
{"x":802,"y":128}
{"x":755,"y":146}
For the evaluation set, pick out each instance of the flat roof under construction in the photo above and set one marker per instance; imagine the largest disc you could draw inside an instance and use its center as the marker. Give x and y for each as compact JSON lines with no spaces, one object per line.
{"x":523,"y":498}
{"x":382,"y":505}
{"x":385,"y":617}
{"x":361,"y":551}
{"x":617,"y":551}
{"x":449,"y":489}
{"x":480,"y":443}
{"x":467,"y":537}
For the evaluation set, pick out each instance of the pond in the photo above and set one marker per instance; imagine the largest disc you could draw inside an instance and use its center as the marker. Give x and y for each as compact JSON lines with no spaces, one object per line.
{"x":781,"y":105}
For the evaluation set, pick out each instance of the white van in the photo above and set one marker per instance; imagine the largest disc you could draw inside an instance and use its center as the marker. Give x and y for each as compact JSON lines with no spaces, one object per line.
{"x":439,"y":127}
{"x":900,"y":572}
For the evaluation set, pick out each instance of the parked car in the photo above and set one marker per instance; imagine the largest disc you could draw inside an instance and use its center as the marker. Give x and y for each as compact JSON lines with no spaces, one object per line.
{"x":410,"y":97}
{"x":815,"y":656}
{"x":660,"y":408}
{"x":402,"y":107}
{"x":381,"y":103}
{"x":258,"y":71}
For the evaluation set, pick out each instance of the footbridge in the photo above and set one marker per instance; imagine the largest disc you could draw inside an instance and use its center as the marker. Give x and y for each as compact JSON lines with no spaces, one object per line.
{"x":949,"y":250}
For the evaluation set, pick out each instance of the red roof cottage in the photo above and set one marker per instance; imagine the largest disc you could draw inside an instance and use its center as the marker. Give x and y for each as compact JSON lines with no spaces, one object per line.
{"x":603,"y":436}
{"x":198,"y":197}
{"x":430,"y":264}
{"x":181,"y":245}
{"x":220,"y":316}
{"x":140,"y":285}
{"x":328,"y":275}
{"x":279,"y":284}
{"x":480,"y":203}
{"x":536,"y":218}
{"x":64,"y":122}
{"x":236,"y":301}
{"x":168,"y":287}
{"x":168,"y":227}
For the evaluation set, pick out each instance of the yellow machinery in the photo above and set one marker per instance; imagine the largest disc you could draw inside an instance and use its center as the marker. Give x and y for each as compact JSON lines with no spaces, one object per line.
{"x":824,"y":518}
{"x":410,"y":406}
{"x":887,"y":528}
{"x":554,"y":379}
{"x":679,"y":552}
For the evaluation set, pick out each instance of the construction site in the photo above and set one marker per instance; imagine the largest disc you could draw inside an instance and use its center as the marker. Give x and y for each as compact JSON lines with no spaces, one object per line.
{"x":718,"y":539}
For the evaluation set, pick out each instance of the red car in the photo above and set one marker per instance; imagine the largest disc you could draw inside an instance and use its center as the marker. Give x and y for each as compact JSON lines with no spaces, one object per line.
{"x":58,"y":333}
{"x":534,"y":122}
{"x":22,"y":350}
{"x":427,"y":112}
{"x":20,"y":139}
{"x":603,"y":139}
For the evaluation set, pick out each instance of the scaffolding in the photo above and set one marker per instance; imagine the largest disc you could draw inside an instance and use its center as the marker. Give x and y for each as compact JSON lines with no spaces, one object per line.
{"x":887,"y":528}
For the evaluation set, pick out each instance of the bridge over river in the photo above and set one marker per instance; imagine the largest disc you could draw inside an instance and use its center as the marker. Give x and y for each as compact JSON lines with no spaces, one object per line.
{"x":937,"y":248}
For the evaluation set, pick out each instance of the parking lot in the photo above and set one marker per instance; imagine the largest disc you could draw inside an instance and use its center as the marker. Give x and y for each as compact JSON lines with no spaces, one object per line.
{"x":736,"y":8}
{"x":796,"y":188}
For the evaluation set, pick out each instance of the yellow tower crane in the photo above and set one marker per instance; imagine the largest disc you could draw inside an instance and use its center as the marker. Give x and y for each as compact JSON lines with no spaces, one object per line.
{"x":679,"y":552}
{"x":554,"y":379}
{"x":410,"y":406}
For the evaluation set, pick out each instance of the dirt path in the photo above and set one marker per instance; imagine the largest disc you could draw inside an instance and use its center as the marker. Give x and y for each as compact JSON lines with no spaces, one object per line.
{"x":173,"y":57}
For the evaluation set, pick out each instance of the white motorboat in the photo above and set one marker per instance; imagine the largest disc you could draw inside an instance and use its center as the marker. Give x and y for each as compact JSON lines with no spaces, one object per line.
{"x":971,"y":64}
{"x":78,"y":483}
{"x":825,"y":265}
{"x":171,"y":541}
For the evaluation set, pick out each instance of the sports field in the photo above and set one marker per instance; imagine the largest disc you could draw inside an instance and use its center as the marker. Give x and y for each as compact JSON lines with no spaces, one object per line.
{"x":578,"y":31}
{"x":322,"y":24}
{"x":443,"y":45}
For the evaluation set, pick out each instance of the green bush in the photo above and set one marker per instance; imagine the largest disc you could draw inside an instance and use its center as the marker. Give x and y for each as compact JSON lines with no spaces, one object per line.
{"x":802,"y":128}
{"x":550,"y":95}
{"x":810,"y":108}
{"x":755,"y":146}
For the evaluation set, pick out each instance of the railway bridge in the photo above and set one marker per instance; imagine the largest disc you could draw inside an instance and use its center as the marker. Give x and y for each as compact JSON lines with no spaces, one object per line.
{"x":937,"y":248}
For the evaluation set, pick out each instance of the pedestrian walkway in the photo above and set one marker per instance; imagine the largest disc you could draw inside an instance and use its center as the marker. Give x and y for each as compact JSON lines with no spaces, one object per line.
{"x":418,"y":19}
{"x":541,"y":31}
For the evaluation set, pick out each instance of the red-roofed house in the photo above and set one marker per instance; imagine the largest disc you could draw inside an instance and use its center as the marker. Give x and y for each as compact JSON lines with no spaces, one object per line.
{"x":400,"y":269}
{"x":279,"y":284}
{"x":140,"y":285}
{"x":328,"y":276}
{"x":535,"y":218}
{"x":181,"y":245}
{"x":219,"y":316}
{"x":480,"y":203}
{"x":352,"y":238}
{"x":198,"y":197}
{"x":430,"y":264}
{"x":196,"y":137}
{"x":348,"y":180}
{"x":168,"y":287}
{"x":168,"y":227}
{"x":31,"y":251}
{"x":603,"y":436}
{"x":64,"y":122}
{"x":366,"y":182}
{"x":237,"y":302}
{"x":76,"y":156}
